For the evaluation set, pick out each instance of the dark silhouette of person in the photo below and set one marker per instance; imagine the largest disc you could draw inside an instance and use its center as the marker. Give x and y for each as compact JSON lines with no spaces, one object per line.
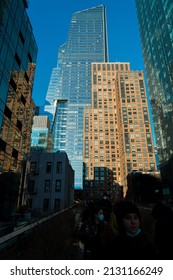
{"x":106,"y":205}
{"x":163,"y":230}
{"x":131,"y":243}
{"x":86,"y":231}
{"x":102,"y":237}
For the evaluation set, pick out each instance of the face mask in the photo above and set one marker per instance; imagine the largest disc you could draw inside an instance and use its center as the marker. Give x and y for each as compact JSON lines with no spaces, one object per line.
{"x":100,"y":217}
{"x":133,"y":234}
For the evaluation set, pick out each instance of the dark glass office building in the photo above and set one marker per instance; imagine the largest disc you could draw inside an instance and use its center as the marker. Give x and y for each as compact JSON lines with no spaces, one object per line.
{"x":18,"y":52}
{"x":70,"y":84}
{"x":155,"y":19}
{"x":18,"y":47}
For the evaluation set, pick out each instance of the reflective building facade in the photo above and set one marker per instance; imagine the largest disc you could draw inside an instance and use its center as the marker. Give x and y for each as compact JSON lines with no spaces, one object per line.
{"x":156,"y":30}
{"x":17,"y":121}
{"x":70,"y":84}
{"x":18,"y":52}
{"x":41,"y":138}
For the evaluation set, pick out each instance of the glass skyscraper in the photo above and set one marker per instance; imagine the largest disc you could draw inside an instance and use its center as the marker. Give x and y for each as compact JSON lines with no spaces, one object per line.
{"x":69,"y":90}
{"x":155,"y":19}
{"x":18,"y":47}
{"x":18,"y":53}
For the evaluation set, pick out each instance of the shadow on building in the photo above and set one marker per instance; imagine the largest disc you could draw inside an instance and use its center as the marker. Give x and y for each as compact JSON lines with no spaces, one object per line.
{"x":102,"y":182}
{"x":9,"y":190}
{"x":144,"y":188}
{"x":166,"y":170}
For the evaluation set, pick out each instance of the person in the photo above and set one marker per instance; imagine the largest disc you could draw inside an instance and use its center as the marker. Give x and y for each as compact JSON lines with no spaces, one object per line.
{"x":109,"y":215}
{"x":86,"y":233}
{"x":106,"y":205}
{"x":112,"y":220}
{"x":102,"y":237}
{"x":131,"y":243}
{"x":163,"y":230}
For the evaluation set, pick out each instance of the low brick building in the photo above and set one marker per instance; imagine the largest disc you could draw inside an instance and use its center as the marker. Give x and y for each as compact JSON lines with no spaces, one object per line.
{"x":47,"y":183}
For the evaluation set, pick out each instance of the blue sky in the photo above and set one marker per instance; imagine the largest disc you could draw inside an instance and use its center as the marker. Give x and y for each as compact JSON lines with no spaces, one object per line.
{"x":50,"y":21}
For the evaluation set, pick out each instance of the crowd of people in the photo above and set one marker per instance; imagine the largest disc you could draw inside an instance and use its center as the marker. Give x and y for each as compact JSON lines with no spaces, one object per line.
{"x":115,"y":232}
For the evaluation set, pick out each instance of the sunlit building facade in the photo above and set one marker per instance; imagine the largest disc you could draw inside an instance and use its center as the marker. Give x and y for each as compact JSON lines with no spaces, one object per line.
{"x":70,"y":84}
{"x":117,"y":129}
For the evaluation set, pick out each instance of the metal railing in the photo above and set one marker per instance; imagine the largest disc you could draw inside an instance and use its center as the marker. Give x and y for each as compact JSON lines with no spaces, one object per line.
{"x":57,"y":225}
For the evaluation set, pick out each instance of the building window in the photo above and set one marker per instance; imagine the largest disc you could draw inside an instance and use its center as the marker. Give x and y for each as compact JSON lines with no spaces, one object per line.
{"x":33,"y":167}
{"x":29,"y":203}
{"x":45,"y":204}
{"x":47,"y":186}
{"x":48,"y":167}
{"x":152,"y":166}
{"x":59,"y":167}
{"x":58,"y":186}
{"x":57,"y":204}
{"x":31,"y":184}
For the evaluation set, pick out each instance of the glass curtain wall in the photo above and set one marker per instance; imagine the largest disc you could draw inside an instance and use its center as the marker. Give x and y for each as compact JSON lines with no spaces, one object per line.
{"x":70,"y":84}
{"x":156,"y":30}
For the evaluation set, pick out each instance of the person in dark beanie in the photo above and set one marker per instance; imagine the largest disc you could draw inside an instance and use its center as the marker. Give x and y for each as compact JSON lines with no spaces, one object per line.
{"x":131,"y":244}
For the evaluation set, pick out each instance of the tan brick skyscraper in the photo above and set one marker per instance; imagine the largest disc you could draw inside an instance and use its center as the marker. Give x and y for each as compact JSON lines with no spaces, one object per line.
{"x":117,"y":129}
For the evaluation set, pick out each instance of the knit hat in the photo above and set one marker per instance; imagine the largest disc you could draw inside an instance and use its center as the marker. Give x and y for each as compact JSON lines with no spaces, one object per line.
{"x":124,"y":208}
